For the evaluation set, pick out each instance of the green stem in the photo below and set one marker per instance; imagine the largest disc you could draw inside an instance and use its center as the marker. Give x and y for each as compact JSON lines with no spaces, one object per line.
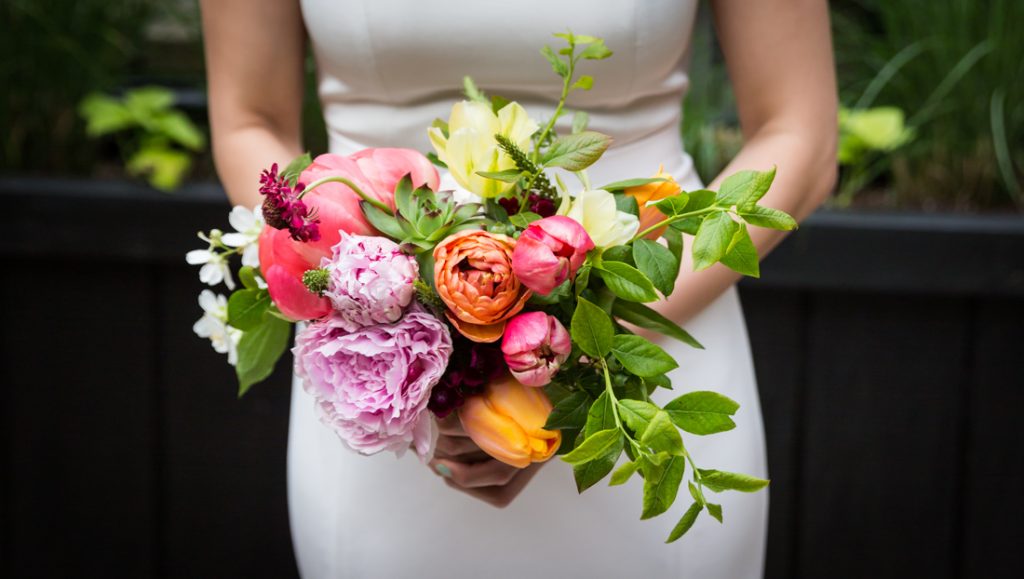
{"x":558,"y":110}
{"x":611,"y":394}
{"x":351,"y":186}
{"x":673,"y":219}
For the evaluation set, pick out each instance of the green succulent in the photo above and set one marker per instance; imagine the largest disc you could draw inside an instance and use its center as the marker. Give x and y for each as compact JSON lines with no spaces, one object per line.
{"x":423,"y":217}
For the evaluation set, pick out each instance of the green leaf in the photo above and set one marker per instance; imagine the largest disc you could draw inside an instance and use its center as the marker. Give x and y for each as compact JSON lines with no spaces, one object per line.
{"x":644,"y":317}
{"x":471,"y":91}
{"x":744,"y":188}
{"x":659,"y":381}
{"x":627,"y":282}
{"x":295,"y":167}
{"x":506,"y":176}
{"x":596,"y":51}
{"x":601,"y":416}
{"x":674,"y":205}
{"x":246,"y":308}
{"x":656,"y":262}
{"x":767,"y":217}
{"x":247,"y":275}
{"x":712,"y":240}
{"x":433,"y":158}
{"x":700,"y":199}
{"x":145,"y":101}
{"x":641,"y":357}
{"x":622,"y":185}
{"x":623,"y":473}
{"x":715,"y":511}
{"x":259,"y":350}
{"x":703,"y":412}
{"x":590,"y":473}
{"x":557,"y":64}
{"x":582,"y":279}
{"x":621,"y":253}
{"x":675,"y":244}
{"x":576,"y":152}
{"x":592,"y":329}
{"x":687,"y":225}
{"x":661,"y":435}
{"x":741,"y":255}
{"x":383,"y":222}
{"x":626,"y":204}
{"x":594,"y":446}
{"x":164,"y":167}
{"x":720,"y":480}
{"x":585,"y":82}
{"x":177,"y":127}
{"x":684,"y":524}
{"x":523,"y":219}
{"x":661,"y":486}
{"x":104,"y":115}
{"x":570,"y":412}
{"x":637,"y":414}
{"x":580,"y":120}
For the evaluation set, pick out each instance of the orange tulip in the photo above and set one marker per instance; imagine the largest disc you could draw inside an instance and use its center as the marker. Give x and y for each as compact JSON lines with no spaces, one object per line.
{"x":473,"y":275}
{"x":650,"y":192}
{"x":507,"y":422}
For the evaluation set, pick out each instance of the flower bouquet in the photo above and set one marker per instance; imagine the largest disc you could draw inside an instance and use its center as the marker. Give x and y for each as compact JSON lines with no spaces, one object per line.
{"x":510,"y":300}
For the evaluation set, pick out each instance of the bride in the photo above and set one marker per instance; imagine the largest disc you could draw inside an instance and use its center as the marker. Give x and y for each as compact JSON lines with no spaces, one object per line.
{"x":387,"y":68}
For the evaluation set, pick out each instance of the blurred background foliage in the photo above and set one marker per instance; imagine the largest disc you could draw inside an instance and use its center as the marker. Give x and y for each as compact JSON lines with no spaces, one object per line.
{"x":933,"y":105}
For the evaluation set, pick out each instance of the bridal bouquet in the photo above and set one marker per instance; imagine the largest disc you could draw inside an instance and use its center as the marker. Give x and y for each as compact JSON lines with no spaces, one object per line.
{"x":509,"y":300}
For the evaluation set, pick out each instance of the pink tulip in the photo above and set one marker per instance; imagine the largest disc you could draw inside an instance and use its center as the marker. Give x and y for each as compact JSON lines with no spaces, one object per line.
{"x":283,"y":260}
{"x":535,"y":346}
{"x":550,"y":251}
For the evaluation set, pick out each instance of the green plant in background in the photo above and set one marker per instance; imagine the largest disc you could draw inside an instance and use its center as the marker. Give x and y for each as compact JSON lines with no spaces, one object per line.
{"x":866,"y":139}
{"x":154,"y":138}
{"x":955,"y":67}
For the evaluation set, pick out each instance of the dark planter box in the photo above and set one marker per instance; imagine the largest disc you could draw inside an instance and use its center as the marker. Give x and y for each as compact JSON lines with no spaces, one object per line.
{"x":887,"y":349}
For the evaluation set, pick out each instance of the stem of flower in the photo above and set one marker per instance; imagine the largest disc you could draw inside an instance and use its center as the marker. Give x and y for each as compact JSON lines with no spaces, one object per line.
{"x":558,"y":110}
{"x":352,"y":186}
{"x":611,"y":394}
{"x":673,"y":219}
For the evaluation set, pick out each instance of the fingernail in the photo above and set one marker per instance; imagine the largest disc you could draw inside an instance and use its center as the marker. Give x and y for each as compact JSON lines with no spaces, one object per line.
{"x":443,"y":470}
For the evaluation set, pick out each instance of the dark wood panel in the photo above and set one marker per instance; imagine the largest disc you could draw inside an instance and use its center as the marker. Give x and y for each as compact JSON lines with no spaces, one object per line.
{"x":879,"y":485}
{"x":993,"y":499}
{"x":776,"y":324}
{"x":79,"y":491}
{"x":224,"y":464}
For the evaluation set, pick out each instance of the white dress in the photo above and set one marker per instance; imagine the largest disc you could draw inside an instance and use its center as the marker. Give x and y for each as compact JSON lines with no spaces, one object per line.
{"x":387,"y":69}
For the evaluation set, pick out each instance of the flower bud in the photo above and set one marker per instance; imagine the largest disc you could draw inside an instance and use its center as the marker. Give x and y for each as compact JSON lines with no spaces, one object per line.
{"x":535,"y":345}
{"x":507,"y":422}
{"x":550,"y":251}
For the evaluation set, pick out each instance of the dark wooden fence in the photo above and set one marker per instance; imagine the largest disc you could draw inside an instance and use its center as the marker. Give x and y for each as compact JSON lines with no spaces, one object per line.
{"x":888,"y":349}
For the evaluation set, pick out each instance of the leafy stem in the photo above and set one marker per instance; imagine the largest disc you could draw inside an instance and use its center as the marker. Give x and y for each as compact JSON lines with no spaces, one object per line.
{"x":345,"y":181}
{"x":566,"y":84}
{"x":673,"y":219}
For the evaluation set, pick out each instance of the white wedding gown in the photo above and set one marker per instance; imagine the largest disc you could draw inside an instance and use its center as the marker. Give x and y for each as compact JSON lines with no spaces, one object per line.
{"x":387,"y":69}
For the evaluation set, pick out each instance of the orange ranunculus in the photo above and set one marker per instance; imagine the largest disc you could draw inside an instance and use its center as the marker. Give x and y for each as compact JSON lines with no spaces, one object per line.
{"x":651,"y":192}
{"x":473,"y":275}
{"x":507,"y":422}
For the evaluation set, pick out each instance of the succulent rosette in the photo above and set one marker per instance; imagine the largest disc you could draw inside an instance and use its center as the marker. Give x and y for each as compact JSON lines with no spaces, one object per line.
{"x":369,"y":281}
{"x":473,"y":276}
{"x":372,"y":386}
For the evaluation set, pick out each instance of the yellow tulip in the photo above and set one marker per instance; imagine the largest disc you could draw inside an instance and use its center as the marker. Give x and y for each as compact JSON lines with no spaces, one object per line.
{"x":507,"y":422}
{"x":470,"y":145}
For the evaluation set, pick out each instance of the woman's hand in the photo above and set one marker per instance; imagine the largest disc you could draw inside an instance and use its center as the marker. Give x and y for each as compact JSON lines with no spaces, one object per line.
{"x":468,"y":469}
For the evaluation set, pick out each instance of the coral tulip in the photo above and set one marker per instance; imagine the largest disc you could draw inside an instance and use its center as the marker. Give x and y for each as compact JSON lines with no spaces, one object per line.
{"x":507,"y":422}
{"x":535,"y":345}
{"x":649,"y":193}
{"x":549,"y":251}
{"x":473,"y":276}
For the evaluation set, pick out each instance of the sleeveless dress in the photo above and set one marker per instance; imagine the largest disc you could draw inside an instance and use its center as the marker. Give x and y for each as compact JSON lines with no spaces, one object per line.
{"x":387,"y":69}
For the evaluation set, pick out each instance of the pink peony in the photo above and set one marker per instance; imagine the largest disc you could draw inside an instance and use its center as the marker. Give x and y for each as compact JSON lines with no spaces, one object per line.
{"x":549,"y":252}
{"x":283,"y":260}
{"x":372,"y":386}
{"x":371,"y":281}
{"x":535,"y":346}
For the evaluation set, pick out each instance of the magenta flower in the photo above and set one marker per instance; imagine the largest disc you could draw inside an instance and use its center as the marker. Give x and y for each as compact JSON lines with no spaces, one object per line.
{"x":535,"y":346}
{"x":283,"y":207}
{"x":370,"y":282}
{"x":549,"y":252}
{"x":372,"y":386}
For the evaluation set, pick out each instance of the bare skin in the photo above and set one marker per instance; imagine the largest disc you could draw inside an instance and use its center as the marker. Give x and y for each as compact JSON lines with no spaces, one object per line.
{"x":779,"y":56}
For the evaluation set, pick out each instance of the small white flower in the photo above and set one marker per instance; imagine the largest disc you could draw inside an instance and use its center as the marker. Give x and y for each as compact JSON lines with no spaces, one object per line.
{"x":248,"y":225}
{"x":214,"y":325}
{"x":215,"y":267}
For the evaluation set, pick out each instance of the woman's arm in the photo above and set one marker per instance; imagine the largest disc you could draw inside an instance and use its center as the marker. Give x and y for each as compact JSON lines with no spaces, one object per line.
{"x":255,"y":53}
{"x":779,"y":57}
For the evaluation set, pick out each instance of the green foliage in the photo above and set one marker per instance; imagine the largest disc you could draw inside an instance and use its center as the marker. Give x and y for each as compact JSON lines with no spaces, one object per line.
{"x":156,"y":140}
{"x":259,"y":350}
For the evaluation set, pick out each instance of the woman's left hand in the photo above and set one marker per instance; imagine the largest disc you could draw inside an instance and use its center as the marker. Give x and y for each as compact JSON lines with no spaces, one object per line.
{"x":466,"y":468}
